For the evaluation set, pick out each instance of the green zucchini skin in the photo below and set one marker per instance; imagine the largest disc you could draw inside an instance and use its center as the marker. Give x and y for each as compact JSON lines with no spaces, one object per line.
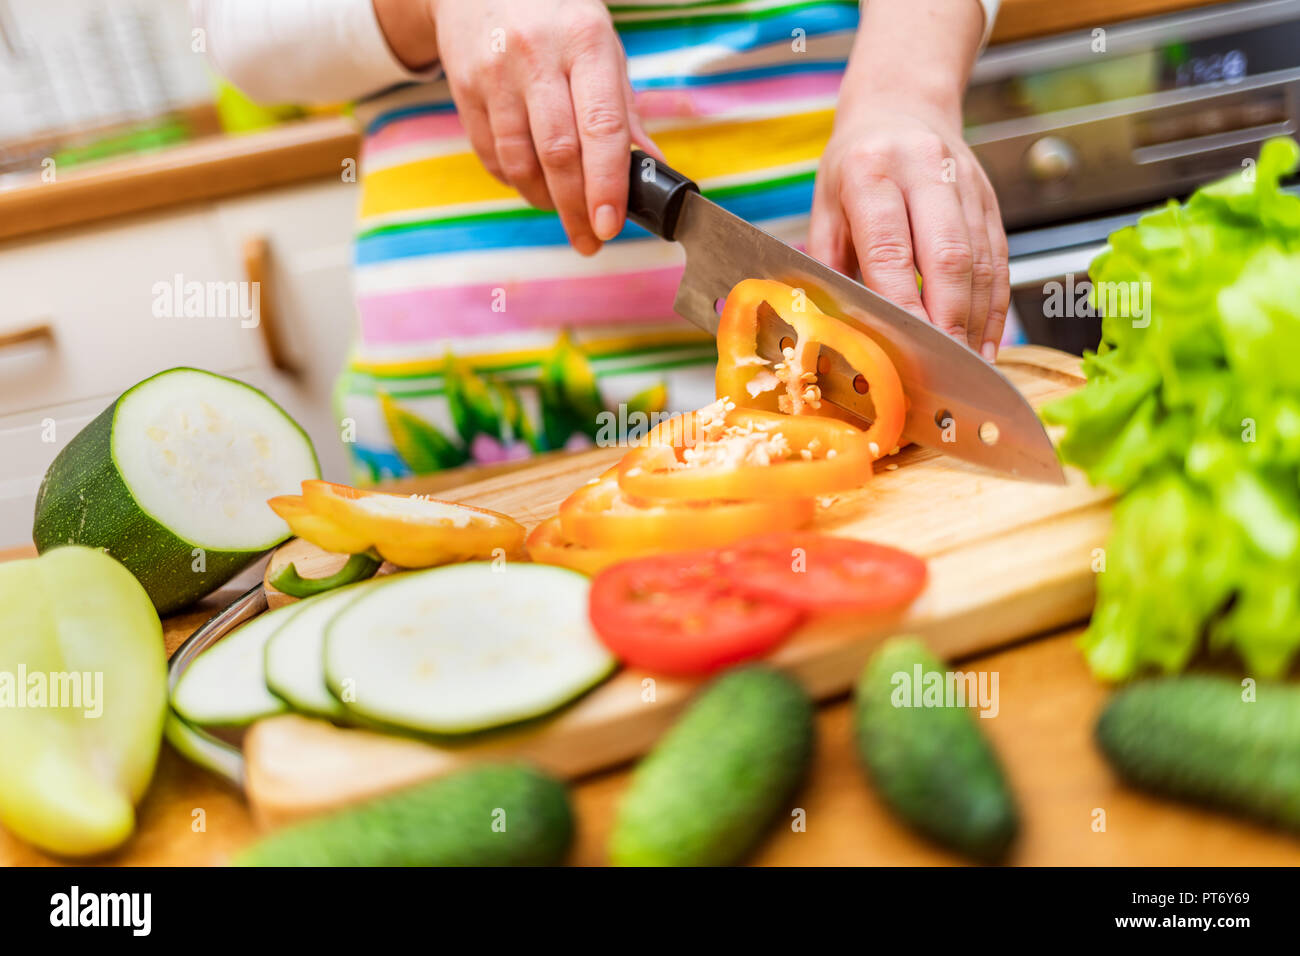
{"x":932,"y":765}
{"x":84,"y":500}
{"x":1194,"y":738}
{"x":489,"y":815}
{"x":716,"y":781}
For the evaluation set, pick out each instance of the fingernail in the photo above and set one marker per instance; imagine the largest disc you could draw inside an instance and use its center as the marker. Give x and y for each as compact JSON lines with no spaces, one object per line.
{"x":989,"y":351}
{"x":606,"y":222}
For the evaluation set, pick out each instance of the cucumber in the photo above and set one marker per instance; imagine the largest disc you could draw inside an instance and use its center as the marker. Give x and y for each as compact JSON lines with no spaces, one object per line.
{"x":1194,"y":737}
{"x":932,"y":765}
{"x":295,"y":668}
{"x":464,"y":648}
{"x":172,"y":480}
{"x":706,"y":794}
{"x":490,"y":815}
{"x":225,"y":686}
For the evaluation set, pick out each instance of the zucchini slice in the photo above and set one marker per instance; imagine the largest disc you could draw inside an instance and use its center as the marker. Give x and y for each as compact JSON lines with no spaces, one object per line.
{"x":226,"y":684}
{"x":172,"y":480}
{"x":465,"y":648}
{"x":294,"y":669}
{"x":199,"y":747}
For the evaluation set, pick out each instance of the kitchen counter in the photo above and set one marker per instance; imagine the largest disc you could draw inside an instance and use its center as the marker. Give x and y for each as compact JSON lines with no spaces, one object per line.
{"x":314,"y":149}
{"x":1048,"y":703}
{"x":204,"y":169}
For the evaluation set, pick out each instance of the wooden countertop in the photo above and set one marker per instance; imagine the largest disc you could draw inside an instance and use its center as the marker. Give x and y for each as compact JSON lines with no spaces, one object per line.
{"x":1026,"y":19}
{"x":204,"y":169}
{"x":229,"y":165}
{"x":1043,"y":732}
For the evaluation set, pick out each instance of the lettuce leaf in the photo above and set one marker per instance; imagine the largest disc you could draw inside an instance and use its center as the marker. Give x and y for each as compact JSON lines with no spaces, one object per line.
{"x":1192,"y":412}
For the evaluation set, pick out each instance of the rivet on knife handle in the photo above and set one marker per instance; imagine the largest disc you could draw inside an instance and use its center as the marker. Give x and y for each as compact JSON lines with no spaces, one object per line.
{"x":655,"y":193}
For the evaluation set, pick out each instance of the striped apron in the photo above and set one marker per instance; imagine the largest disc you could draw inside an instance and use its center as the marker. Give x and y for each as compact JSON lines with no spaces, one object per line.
{"x":483,"y":336}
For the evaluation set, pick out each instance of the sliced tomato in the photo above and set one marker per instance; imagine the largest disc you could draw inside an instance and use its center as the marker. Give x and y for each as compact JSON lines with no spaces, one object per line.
{"x":817,"y":572}
{"x":675,"y":614}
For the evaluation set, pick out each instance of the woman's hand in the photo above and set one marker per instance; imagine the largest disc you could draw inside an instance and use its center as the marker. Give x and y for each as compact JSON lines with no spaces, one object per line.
{"x":898,"y":191}
{"x":543,"y":93}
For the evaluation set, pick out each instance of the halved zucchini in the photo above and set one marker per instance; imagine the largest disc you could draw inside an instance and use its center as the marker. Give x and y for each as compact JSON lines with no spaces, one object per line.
{"x":172,"y":480}
{"x":465,"y":648}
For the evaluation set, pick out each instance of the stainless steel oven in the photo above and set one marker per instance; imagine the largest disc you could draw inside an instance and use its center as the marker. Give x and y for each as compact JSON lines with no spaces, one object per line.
{"x":1079,"y":133}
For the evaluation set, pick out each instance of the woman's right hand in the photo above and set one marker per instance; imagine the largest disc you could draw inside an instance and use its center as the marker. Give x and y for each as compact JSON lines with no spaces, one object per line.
{"x":543,"y":94}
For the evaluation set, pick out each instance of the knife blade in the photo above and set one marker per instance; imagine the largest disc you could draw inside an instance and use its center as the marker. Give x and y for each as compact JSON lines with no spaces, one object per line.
{"x":958,"y":403}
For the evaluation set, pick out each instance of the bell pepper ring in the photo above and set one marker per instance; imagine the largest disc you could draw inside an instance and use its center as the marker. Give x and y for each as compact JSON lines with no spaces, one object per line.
{"x":547,"y":545}
{"x":411,"y":531}
{"x":745,"y":454}
{"x":790,"y":386}
{"x":600,"y":515}
{"x":309,"y":526}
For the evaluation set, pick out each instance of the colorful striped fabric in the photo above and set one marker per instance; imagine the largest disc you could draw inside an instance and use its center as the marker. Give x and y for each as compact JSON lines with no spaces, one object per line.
{"x":483,"y":336}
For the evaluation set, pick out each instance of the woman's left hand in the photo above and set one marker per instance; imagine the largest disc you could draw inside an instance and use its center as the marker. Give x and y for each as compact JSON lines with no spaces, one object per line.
{"x":899,"y":192}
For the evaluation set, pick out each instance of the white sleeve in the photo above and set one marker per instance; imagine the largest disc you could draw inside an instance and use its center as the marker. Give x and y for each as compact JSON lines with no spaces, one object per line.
{"x":990,"y":14}
{"x":303,"y":51}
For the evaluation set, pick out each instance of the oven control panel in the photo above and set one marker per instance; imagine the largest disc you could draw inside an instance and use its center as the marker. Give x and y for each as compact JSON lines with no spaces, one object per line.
{"x":1102,"y":120}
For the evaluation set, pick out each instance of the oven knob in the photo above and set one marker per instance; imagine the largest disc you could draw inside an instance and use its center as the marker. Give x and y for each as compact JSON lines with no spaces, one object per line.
{"x":1051,"y":159}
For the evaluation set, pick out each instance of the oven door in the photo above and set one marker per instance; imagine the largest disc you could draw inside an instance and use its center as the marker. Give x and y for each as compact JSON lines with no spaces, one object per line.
{"x":1050,"y":285}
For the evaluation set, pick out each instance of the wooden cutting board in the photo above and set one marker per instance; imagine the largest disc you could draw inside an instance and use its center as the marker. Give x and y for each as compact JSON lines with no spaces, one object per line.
{"x":1007,"y":560}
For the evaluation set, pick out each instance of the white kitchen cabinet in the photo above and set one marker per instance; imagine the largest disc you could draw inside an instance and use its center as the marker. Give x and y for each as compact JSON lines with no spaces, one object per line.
{"x":309,"y":231}
{"x":95,"y":290}
{"x":92,"y":301}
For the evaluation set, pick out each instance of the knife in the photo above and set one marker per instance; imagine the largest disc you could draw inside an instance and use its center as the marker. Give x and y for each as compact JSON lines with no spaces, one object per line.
{"x":958,"y":403}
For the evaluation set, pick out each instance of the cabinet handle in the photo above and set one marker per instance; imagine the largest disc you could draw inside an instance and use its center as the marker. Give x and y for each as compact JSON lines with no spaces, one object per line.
{"x":257,"y":268}
{"x":39,"y":331}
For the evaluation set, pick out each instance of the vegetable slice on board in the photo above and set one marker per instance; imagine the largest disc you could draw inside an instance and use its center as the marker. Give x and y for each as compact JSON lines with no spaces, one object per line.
{"x":200,"y":747}
{"x":818,"y":572}
{"x":677,"y":614}
{"x":465,"y":648}
{"x":295,"y":668}
{"x":83,"y":632}
{"x":225,"y":686}
{"x":358,"y":567}
{"x":601,"y":515}
{"x":548,"y":545}
{"x":746,"y":378}
{"x":412,"y":531}
{"x":743,"y":453}
{"x":172,"y":480}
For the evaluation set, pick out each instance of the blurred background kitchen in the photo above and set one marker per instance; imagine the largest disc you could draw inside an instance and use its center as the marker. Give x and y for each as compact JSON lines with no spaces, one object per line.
{"x":124,"y":162}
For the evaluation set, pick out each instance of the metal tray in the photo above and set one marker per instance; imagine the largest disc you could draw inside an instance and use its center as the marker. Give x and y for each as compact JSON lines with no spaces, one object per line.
{"x":219,"y":756}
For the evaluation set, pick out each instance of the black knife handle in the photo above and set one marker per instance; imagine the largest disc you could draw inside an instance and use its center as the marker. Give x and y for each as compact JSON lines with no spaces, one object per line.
{"x":655,"y":194}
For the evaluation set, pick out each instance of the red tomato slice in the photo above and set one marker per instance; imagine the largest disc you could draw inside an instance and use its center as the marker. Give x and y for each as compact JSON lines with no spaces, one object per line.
{"x":815,"y":572}
{"x":677,"y":614}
